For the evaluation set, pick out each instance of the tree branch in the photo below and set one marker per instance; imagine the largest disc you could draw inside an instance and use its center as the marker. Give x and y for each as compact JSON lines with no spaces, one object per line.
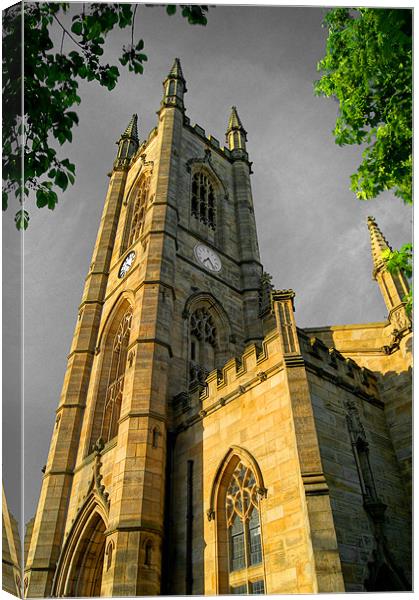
{"x":133,"y":23}
{"x":62,"y":42}
{"x":69,"y":34}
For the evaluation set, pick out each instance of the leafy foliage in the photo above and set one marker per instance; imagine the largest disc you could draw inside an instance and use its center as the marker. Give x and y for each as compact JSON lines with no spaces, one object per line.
{"x":401,"y":260}
{"x":368,"y":69}
{"x":51,"y":81}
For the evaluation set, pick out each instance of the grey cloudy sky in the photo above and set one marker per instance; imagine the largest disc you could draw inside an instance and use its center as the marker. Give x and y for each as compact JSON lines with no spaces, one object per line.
{"x":312,"y":230}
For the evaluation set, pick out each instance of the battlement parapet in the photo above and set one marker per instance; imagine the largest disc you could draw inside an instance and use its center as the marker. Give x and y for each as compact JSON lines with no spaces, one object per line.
{"x":239,"y":371}
{"x":214,"y":142}
{"x":209,"y":139}
{"x":257,"y":363}
{"x":342,"y":370}
{"x":254,"y":365}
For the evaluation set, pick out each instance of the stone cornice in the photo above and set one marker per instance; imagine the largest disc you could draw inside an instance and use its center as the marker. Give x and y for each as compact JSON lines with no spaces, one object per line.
{"x":144,"y":414}
{"x":344,"y":384}
{"x":134,"y":527}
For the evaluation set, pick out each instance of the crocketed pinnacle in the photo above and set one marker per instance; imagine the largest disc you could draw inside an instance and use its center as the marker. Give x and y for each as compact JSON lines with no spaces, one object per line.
{"x":378,"y":242}
{"x":131,"y":131}
{"x":234,"y":121}
{"x":176,"y":71}
{"x":127,"y":145}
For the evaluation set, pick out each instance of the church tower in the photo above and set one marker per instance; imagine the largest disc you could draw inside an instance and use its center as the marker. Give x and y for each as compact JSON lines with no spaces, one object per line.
{"x":203,"y":442}
{"x":172,"y":292}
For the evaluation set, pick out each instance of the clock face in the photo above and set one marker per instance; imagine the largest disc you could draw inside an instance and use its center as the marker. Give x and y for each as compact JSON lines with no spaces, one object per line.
{"x":208,"y":258}
{"x":126,"y":265}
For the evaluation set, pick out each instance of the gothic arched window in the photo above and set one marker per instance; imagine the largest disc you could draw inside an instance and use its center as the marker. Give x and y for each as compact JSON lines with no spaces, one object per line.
{"x":243,"y":519}
{"x":203,"y":344}
{"x":113,"y":373}
{"x":203,"y":200}
{"x":116,"y":377}
{"x":137,"y":214}
{"x":244,"y":532}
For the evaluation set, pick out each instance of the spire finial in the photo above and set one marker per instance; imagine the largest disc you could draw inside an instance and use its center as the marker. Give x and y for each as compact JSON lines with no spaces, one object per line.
{"x":127,"y":145}
{"x":378,"y":243}
{"x":174,"y":87}
{"x":234,"y":121}
{"x":236,"y":135}
{"x":176,"y":70}
{"x":131,"y":131}
{"x":393,"y":285}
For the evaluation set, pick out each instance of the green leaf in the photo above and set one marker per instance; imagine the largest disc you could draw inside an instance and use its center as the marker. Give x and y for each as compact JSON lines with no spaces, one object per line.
{"x":171,"y":9}
{"x":61,"y":180}
{"x":52,"y":200}
{"x":77,"y":28}
{"x":4,"y":200}
{"x":367,"y":68}
{"x":52,"y":80}
{"x":41,"y":198}
{"x":68,"y":165}
{"x":22,"y":219}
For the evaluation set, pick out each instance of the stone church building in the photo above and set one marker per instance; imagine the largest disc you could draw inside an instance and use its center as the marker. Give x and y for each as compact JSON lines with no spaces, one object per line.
{"x":203,"y":442}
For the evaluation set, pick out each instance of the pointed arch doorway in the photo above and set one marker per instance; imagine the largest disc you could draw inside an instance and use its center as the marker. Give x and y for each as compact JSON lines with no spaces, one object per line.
{"x":86,"y":571}
{"x":79,"y":572}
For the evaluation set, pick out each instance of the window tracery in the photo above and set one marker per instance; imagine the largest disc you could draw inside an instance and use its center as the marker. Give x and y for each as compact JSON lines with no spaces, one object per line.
{"x":203,"y":343}
{"x":203,"y":200}
{"x":139,"y":209}
{"x":244,"y":532}
{"x":115,"y":384}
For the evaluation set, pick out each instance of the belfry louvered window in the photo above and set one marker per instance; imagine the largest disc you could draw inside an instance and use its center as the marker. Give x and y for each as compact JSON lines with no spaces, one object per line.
{"x":138,"y":214}
{"x":203,"y":200}
{"x":115,"y":384}
{"x":203,"y":342}
{"x":244,"y":533}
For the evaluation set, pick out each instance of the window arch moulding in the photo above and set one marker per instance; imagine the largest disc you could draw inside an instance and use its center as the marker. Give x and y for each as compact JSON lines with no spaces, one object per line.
{"x":207,"y":300}
{"x":136,"y":210}
{"x":205,"y":163}
{"x":146,"y":168}
{"x":211,"y":353}
{"x":125,"y":298}
{"x":226,"y":467}
{"x":137,"y":202}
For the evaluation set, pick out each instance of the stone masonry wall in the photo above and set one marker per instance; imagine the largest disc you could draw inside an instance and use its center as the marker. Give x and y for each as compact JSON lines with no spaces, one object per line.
{"x":367,"y":345}
{"x":247,"y":407}
{"x":333,"y":385}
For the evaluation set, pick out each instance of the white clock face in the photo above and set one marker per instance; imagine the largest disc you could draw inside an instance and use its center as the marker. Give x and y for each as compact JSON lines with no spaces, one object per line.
{"x":207,"y":257}
{"x":126,"y":265}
